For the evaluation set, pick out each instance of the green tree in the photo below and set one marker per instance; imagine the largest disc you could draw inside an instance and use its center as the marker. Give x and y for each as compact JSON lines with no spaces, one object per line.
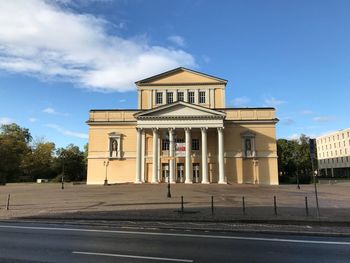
{"x":294,"y":160}
{"x":38,"y":163}
{"x":14,"y":145}
{"x":70,"y":160}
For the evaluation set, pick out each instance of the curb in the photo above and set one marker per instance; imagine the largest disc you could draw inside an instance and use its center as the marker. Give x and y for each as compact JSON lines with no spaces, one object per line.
{"x":242,"y":228}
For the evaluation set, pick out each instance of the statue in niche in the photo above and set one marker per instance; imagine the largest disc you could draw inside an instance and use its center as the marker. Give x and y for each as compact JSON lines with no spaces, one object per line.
{"x":114,"y":148}
{"x":248,"y":147}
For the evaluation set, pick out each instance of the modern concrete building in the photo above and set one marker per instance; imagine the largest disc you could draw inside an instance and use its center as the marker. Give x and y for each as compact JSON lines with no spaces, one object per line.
{"x":333,"y":154}
{"x":182,"y":132}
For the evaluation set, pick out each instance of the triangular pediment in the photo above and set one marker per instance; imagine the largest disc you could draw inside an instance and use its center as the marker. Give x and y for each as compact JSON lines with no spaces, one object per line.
{"x":181,"y":76}
{"x":180,"y":109}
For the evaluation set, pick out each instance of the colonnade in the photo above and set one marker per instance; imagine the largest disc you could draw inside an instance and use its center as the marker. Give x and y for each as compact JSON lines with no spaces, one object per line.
{"x":140,"y":142}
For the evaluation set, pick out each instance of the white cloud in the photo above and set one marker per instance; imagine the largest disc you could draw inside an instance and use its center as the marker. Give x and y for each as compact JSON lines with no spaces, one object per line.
{"x":240,"y":102}
{"x":49,"y":110}
{"x":52,"y":111}
{"x":32,"y":119}
{"x":122,"y":100}
{"x":67,"y":132}
{"x":5,"y":120}
{"x":294,"y":136}
{"x":323,"y":119}
{"x":177,"y":40}
{"x":273,"y":102}
{"x":306,"y":112}
{"x":48,"y":41}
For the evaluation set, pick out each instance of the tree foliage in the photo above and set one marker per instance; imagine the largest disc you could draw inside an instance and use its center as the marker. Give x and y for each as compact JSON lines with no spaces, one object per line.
{"x":14,"y":146}
{"x":71,"y":159}
{"x":21,"y":160}
{"x":294,"y":159}
{"x":38,"y":163}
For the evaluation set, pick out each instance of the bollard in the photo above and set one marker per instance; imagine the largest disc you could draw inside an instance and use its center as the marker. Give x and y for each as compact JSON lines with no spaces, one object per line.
{"x":8,"y":202}
{"x":306,"y":207}
{"x":212,"y":205}
{"x":243,"y":205}
{"x":182,"y":204}
{"x":275,"y":204}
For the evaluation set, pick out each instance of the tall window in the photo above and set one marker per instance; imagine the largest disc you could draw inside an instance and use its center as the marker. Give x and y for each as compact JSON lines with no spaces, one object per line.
{"x":180,"y":96}
{"x":169,"y":97}
{"x":159,"y":98}
{"x":165,"y":144}
{"x":202,"y":97}
{"x":191,"y":97}
{"x":195,"y":144}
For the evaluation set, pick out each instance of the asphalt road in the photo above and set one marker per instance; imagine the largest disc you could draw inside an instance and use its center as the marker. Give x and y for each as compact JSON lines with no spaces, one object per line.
{"x":65,"y":243}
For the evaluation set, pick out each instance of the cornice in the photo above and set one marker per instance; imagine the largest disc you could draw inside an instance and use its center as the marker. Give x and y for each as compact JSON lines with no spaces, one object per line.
{"x":205,"y":117}
{"x":269,"y":121}
{"x":180,"y":84}
{"x":93,"y":123}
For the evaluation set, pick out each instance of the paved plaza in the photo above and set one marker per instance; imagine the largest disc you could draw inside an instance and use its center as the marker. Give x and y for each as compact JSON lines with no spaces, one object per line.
{"x":150,"y":202}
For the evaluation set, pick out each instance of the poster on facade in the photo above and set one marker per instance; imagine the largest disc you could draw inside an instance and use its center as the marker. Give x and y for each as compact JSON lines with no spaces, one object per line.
{"x":180,"y":149}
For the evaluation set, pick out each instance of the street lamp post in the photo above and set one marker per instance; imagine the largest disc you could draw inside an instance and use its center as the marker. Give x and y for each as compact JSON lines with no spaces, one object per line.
{"x":171,"y":159}
{"x":169,"y":193}
{"x":62,"y":178}
{"x":298,"y":179}
{"x":106,"y":163}
{"x":296,"y":158}
{"x":312,"y":146}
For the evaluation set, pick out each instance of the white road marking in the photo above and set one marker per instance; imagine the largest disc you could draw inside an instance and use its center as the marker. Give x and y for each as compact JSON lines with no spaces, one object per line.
{"x":180,"y":235}
{"x":132,"y":256}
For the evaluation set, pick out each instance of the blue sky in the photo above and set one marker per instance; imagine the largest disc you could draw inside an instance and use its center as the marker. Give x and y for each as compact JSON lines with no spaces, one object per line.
{"x":61,"y":58}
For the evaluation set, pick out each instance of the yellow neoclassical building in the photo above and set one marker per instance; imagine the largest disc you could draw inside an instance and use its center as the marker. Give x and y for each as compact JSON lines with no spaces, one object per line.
{"x":182,"y":132}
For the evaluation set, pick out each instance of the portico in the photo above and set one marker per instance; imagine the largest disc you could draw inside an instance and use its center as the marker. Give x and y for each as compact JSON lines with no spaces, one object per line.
{"x":179,"y":117}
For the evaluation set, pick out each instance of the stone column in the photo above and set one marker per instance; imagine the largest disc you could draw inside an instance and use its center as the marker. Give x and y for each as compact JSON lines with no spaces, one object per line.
{"x":204,"y":157}
{"x":221,"y":155}
{"x":171,"y":155}
{"x":143,"y":148}
{"x":155,"y":157}
{"x":138,"y":156}
{"x":188,"y":156}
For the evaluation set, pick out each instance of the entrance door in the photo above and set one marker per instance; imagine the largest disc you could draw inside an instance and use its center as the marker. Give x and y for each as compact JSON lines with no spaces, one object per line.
{"x":196,"y":178}
{"x":180,"y":173}
{"x":165,"y":172}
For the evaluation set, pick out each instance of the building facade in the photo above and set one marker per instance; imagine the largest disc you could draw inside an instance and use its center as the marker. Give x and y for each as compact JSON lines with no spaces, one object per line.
{"x":333,"y":154}
{"x":182,"y":133}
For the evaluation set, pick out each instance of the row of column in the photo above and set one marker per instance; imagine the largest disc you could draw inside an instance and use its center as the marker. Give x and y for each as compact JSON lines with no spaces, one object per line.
{"x":140,"y":138}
